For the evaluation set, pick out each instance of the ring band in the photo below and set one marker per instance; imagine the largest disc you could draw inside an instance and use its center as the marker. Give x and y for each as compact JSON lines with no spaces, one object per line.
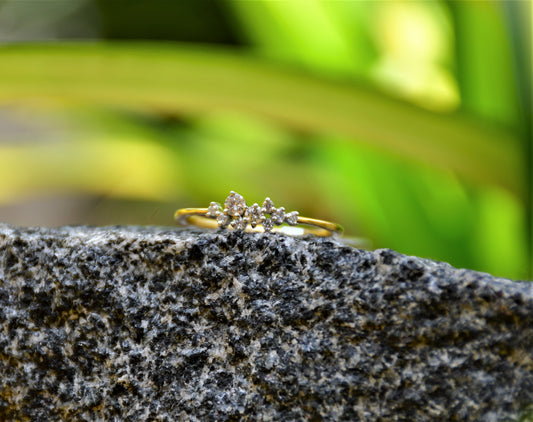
{"x":236,"y":215}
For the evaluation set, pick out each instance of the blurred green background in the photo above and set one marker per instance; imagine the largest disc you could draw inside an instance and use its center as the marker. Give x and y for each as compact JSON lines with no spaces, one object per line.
{"x":409,"y":122}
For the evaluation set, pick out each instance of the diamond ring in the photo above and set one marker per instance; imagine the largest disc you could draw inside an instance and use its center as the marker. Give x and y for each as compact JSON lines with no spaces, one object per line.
{"x":236,"y":215}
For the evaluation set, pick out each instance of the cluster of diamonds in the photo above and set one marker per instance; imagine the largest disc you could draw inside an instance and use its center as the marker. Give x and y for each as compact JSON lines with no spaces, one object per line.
{"x":237,"y":215}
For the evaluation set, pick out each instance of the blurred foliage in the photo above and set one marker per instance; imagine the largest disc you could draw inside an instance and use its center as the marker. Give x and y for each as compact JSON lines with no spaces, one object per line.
{"x":383,"y":116}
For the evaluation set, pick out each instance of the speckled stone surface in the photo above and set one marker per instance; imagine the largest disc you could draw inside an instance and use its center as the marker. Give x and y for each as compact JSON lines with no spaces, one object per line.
{"x":160,"y":324}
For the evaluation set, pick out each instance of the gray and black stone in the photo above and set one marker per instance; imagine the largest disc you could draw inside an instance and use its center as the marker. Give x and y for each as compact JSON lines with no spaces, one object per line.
{"x":135,"y":324}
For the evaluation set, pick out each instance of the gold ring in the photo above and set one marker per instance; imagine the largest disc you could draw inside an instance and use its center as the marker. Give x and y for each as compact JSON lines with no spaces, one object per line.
{"x":236,"y":215}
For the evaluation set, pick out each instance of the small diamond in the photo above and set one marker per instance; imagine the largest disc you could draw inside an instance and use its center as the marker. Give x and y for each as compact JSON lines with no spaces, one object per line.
{"x":278,"y":215}
{"x":268,"y":224}
{"x":235,"y":204}
{"x":292,"y":218}
{"x":253,"y":215}
{"x":213,"y":210}
{"x":239,"y":224}
{"x":222,"y":220}
{"x":268,"y":206}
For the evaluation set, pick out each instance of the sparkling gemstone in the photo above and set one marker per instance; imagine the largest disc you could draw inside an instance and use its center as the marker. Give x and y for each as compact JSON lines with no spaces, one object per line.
{"x":239,"y":224}
{"x":223,"y":219}
{"x":278,"y":215}
{"x":292,"y":218}
{"x":268,"y":206}
{"x":268,"y":224}
{"x":253,"y":215}
{"x":235,"y":204}
{"x":213,"y":210}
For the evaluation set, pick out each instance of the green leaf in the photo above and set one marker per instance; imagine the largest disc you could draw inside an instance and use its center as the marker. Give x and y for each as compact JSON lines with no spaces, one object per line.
{"x":331,"y":38}
{"x":178,"y":79}
{"x":485,"y":60}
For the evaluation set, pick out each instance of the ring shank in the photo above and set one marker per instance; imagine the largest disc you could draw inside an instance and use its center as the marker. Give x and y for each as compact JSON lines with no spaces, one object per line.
{"x":197,"y":217}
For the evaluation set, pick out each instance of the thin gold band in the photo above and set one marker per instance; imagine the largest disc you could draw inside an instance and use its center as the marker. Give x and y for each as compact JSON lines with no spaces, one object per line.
{"x":197,"y":217}
{"x":236,"y":215}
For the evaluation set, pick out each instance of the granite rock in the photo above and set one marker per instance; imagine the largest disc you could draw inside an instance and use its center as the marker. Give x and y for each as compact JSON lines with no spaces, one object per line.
{"x":125,"y":323}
